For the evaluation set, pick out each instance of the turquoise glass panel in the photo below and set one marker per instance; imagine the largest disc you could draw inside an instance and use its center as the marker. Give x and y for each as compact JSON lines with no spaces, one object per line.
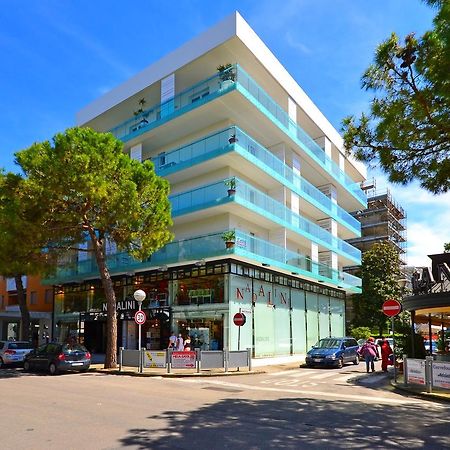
{"x":240,"y":298}
{"x":337,"y":317}
{"x":298,"y":321}
{"x":312,"y":319}
{"x":282,"y":319}
{"x":324,"y":317}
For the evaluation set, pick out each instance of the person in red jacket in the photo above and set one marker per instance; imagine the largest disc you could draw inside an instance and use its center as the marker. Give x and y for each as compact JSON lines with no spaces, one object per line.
{"x":386,"y":351}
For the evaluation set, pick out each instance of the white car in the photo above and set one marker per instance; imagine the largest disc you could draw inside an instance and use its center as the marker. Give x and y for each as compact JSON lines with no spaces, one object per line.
{"x":13,"y":352}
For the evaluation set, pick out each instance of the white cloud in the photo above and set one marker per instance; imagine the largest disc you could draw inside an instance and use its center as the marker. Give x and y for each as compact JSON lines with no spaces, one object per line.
{"x":293,"y":42}
{"x":427,"y":220}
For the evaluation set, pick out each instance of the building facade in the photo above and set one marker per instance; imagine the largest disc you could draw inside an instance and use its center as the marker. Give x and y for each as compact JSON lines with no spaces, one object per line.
{"x":261,"y":191}
{"x":40,"y":305}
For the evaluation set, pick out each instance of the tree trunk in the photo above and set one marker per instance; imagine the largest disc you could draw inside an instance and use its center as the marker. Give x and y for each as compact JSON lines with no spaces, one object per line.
{"x":25,"y":334}
{"x":111,"y":314}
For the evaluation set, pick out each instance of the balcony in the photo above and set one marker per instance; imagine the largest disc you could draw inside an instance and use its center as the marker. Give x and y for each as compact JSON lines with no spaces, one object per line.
{"x":257,"y":207}
{"x":212,"y":88}
{"x":247,"y":248}
{"x":218,"y":144}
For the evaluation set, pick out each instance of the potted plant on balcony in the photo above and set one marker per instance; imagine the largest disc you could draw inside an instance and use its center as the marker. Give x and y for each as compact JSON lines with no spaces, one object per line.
{"x":231,"y":183}
{"x":140,"y":114}
{"x":229,"y":237}
{"x":227,"y":75}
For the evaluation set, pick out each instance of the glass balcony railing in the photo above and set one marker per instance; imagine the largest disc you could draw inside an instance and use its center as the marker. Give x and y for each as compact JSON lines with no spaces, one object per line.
{"x":216,"y":193}
{"x":213,"y":87}
{"x":181,"y":103}
{"x":292,"y":129}
{"x":209,"y":246}
{"x":219,"y":143}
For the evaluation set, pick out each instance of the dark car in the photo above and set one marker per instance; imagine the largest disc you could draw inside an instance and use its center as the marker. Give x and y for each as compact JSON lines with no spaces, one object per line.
{"x":56,"y":358}
{"x":334,"y":352}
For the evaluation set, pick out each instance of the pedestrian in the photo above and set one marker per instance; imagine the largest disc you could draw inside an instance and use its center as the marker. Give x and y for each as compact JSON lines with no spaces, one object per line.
{"x":172,"y":341}
{"x":368,"y":351}
{"x":180,"y":343}
{"x":386,"y":352}
{"x":187,"y":344}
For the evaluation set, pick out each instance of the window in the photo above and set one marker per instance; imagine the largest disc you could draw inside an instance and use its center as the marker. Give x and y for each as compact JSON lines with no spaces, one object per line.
{"x":33,"y":298}
{"x":48,"y":296}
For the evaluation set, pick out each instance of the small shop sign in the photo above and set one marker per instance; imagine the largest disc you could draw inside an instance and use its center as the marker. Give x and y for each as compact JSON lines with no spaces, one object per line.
{"x":184,"y":360}
{"x":441,"y":375}
{"x":155,"y":359}
{"x":416,"y":371}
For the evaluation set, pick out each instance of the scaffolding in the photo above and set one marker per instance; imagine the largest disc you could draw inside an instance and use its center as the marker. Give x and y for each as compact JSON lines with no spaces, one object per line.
{"x":384,"y":220}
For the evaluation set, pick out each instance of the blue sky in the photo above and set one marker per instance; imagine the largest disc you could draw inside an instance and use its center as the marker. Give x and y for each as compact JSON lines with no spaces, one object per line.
{"x":58,"y":56}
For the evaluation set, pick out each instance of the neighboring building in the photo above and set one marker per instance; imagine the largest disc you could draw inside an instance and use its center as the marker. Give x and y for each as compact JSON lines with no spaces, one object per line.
{"x":40,"y":304}
{"x":249,"y":127}
{"x":384,"y":220}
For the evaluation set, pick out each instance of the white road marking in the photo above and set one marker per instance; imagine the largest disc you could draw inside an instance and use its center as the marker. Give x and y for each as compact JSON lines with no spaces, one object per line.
{"x":310,"y":393}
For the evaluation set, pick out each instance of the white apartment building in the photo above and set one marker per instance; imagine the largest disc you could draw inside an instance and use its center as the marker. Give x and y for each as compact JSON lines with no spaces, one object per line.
{"x":247,"y":153}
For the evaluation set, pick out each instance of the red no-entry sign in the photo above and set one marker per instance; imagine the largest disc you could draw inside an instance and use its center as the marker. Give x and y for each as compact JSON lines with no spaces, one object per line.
{"x":391,"y":308}
{"x":239,"y":319}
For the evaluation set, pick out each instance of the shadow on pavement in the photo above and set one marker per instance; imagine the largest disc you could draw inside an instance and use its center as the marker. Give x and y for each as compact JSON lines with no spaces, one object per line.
{"x":294,"y":424}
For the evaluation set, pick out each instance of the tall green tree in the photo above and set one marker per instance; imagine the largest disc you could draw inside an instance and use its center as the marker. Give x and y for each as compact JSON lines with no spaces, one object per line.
{"x":93,"y":191}
{"x":407,"y":129}
{"x":21,"y":242}
{"x":380,"y":270}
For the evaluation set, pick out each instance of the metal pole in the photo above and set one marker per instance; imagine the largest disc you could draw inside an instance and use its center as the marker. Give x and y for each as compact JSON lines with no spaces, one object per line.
{"x":139,"y":339}
{"x":239,"y":334}
{"x":393,"y":352}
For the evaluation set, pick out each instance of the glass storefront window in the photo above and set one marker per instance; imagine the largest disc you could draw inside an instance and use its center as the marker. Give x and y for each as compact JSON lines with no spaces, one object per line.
{"x":199,"y":291}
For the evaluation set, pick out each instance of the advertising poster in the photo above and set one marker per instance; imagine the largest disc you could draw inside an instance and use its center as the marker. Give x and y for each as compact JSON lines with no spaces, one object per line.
{"x":441,"y":375}
{"x":183,"y":360}
{"x":154,"y":359}
{"x":416,"y":371}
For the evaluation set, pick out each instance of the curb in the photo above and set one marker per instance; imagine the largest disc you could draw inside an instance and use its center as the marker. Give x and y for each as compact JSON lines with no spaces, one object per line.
{"x":432,"y":396}
{"x":173,"y":375}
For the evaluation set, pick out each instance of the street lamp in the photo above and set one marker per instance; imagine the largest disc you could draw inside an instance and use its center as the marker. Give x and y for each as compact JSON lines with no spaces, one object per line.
{"x":139,"y":296}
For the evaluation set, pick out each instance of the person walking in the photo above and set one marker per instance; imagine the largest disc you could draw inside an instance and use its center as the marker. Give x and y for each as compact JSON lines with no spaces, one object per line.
{"x":368,"y":351}
{"x":172,"y":341}
{"x":187,"y":344}
{"x":180,"y":343}
{"x":386,"y":351}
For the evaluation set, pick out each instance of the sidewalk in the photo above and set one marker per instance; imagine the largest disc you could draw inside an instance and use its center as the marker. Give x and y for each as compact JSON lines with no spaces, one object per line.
{"x":259,"y":365}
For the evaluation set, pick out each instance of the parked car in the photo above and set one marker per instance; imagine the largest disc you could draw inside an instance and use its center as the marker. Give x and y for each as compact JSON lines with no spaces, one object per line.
{"x":56,"y":358}
{"x":333,"y":351}
{"x":433,"y":347}
{"x":13,"y":352}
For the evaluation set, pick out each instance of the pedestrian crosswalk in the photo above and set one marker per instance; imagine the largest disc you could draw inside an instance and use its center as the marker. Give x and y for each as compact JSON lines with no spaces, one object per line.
{"x":306,"y":377}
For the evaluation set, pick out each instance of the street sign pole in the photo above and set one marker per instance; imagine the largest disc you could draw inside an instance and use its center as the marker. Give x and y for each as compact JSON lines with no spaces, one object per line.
{"x":393,"y":351}
{"x":239,"y":334}
{"x":392,"y":308}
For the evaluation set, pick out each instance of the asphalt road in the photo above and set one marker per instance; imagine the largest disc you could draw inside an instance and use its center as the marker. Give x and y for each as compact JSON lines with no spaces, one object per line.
{"x":284,"y":409}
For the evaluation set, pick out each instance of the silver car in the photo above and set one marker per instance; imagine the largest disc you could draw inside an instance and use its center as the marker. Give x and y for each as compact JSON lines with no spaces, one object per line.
{"x":13,"y":352}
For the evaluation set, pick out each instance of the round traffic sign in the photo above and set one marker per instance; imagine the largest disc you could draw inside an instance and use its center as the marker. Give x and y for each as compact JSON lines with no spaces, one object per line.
{"x":239,"y":319}
{"x":391,"y":308}
{"x":140,"y":317}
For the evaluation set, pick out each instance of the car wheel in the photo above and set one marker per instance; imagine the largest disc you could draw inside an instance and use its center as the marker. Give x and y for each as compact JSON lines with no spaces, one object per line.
{"x":1,"y":363}
{"x":356,"y":360}
{"x":26,"y":366}
{"x":53,"y":370}
{"x":340,"y":363}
